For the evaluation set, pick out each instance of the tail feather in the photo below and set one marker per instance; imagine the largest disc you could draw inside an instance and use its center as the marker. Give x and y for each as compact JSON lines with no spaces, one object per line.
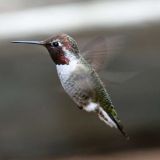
{"x":120,"y":127}
{"x":110,"y":120}
{"x":106,"y":118}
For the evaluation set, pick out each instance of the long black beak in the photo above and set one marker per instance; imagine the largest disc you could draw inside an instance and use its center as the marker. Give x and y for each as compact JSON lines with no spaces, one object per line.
{"x":30,"y":42}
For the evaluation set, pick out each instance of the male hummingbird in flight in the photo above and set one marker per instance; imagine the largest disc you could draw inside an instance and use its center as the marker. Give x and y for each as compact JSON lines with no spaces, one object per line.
{"x":79,"y":79}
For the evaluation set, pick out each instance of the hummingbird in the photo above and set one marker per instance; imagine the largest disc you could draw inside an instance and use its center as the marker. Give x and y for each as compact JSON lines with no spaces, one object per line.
{"x":79,"y":79}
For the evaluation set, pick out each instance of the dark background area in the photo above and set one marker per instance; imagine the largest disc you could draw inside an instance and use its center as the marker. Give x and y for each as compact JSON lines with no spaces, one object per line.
{"x":38,"y":120}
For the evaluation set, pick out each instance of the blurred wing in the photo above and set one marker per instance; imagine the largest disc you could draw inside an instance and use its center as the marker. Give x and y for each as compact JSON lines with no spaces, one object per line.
{"x":101,"y":50}
{"x":100,"y":53}
{"x":118,"y":77}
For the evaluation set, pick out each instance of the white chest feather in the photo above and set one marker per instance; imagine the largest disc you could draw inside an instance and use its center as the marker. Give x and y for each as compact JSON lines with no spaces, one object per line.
{"x":65,"y":71}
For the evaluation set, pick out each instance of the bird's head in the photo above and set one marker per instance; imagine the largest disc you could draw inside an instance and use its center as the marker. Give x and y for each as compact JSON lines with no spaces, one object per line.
{"x":61,"y":48}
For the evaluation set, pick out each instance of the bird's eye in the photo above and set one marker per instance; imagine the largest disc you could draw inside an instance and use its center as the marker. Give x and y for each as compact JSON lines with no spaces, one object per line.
{"x":55,"y":44}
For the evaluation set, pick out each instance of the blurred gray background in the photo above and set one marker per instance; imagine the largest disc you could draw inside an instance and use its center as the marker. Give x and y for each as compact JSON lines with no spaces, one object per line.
{"x":38,"y":120}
